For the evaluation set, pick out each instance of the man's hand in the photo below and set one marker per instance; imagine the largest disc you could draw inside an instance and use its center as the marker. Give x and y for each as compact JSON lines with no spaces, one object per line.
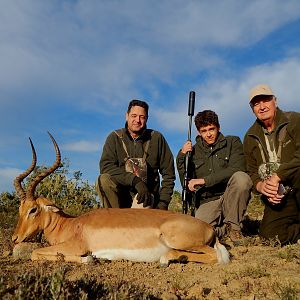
{"x":194,"y":184}
{"x":187,"y":147}
{"x":144,"y":196}
{"x":269,"y":188}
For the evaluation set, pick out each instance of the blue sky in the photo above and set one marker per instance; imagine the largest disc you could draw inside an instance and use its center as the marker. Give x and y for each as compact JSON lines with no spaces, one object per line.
{"x":71,"y":67}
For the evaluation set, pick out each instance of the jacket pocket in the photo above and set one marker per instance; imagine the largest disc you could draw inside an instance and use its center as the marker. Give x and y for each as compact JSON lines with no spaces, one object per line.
{"x":222,"y":161}
{"x":199,"y":163}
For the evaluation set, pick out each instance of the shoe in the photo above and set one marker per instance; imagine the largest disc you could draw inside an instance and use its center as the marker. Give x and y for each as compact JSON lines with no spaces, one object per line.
{"x":235,"y":236}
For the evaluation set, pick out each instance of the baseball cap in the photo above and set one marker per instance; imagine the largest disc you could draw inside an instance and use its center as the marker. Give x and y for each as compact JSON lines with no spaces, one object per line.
{"x":261,"y":89}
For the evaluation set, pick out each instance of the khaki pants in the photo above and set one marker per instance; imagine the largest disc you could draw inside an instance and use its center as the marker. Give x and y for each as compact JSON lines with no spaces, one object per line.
{"x":230,"y":207}
{"x":111,"y":194}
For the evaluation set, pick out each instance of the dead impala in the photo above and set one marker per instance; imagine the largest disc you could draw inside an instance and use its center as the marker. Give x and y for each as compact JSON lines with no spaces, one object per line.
{"x":141,"y":235}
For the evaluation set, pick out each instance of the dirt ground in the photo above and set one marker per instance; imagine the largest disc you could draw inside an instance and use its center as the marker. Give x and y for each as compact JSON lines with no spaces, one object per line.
{"x":256,"y":271}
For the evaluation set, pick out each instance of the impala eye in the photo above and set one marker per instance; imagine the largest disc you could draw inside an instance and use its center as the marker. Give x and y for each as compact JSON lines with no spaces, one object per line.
{"x":33,"y":210}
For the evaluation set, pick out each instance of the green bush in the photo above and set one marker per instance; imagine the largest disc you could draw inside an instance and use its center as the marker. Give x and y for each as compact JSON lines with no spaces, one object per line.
{"x":8,"y":201}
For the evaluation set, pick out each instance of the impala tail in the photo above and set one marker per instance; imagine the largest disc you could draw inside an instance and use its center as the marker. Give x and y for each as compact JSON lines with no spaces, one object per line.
{"x":222,"y":253}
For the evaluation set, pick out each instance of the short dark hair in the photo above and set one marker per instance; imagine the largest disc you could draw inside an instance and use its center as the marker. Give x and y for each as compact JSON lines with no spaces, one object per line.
{"x":205,"y":118}
{"x":140,"y":103}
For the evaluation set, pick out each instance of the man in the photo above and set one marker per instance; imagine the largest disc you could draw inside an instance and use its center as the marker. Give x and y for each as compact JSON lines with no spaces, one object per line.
{"x":217,"y":176}
{"x":131,"y":161}
{"x":272,"y":150}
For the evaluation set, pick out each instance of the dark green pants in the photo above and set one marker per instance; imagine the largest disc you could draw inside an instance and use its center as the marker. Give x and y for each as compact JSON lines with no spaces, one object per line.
{"x":283,"y":220}
{"x":111,"y":194}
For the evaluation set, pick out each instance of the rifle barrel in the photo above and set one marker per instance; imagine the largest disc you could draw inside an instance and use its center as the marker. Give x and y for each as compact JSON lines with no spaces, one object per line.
{"x":188,"y":154}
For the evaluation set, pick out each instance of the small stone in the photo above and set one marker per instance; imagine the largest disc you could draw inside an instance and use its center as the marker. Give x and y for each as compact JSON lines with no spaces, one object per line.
{"x":24,"y":250}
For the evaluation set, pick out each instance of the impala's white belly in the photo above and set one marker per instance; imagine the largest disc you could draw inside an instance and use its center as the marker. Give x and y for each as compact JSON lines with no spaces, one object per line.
{"x":139,"y":255}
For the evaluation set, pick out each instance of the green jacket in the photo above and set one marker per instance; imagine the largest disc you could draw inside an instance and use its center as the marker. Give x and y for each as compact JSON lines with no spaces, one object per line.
{"x":290,"y":157}
{"x":216,"y":164}
{"x":159,"y":160}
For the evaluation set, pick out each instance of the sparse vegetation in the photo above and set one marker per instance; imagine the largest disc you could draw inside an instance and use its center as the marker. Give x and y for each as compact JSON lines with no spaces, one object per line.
{"x":286,"y":290}
{"x":259,"y":269}
{"x":289,"y":253}
{"x":36,"y":285}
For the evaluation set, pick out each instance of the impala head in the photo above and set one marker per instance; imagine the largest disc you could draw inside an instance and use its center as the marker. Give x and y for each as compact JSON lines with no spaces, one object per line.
{"x":31,"y":217}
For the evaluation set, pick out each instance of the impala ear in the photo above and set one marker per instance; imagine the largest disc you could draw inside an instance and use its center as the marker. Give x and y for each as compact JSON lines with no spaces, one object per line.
{"x":47,"y":205}
{"x":51,"y":208}
{"x":43,"y":201}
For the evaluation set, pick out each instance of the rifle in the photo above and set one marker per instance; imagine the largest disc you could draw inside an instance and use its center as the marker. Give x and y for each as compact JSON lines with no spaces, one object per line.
{"x":185,"y":191}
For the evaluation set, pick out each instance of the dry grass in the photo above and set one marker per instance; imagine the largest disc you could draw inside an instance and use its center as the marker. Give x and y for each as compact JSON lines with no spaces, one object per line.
{"x":258,"y":270}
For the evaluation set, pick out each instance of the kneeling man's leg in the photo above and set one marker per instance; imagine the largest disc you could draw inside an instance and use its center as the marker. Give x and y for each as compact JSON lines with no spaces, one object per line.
{"x":111,"y":195}
{"x":236,"y":198}
{"x":281,"y":221}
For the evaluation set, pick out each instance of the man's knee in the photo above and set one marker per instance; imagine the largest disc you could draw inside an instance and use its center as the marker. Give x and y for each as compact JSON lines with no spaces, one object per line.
{"x":280,"y":233}
{"x":281,"y":223}
{"x":242,"y":180}
{"x":107,"y":191}
{"x":105,"y":182}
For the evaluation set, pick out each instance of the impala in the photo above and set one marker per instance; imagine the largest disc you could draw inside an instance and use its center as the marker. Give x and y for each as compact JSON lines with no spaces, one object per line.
{"x":141,"y":235}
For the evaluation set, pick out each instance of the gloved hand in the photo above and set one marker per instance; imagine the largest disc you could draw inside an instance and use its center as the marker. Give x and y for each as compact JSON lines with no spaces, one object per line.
{"x":144,"y":196}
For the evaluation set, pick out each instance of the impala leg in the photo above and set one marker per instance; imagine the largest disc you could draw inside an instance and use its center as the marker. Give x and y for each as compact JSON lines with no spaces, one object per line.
{"x":186,"y":234}
{"x":204,"y":254}
{"x":67,"y":252}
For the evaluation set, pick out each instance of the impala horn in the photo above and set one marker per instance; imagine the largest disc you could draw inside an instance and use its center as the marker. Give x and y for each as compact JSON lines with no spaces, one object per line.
{"x":29,"y":194}
{"x":18,"y":180}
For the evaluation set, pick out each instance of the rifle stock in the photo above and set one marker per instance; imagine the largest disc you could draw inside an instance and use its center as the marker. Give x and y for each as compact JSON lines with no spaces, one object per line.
{"x":185,"y":191}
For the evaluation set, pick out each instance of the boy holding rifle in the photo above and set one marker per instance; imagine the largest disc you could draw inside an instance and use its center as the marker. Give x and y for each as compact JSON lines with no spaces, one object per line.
{"x":218,"y":178}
